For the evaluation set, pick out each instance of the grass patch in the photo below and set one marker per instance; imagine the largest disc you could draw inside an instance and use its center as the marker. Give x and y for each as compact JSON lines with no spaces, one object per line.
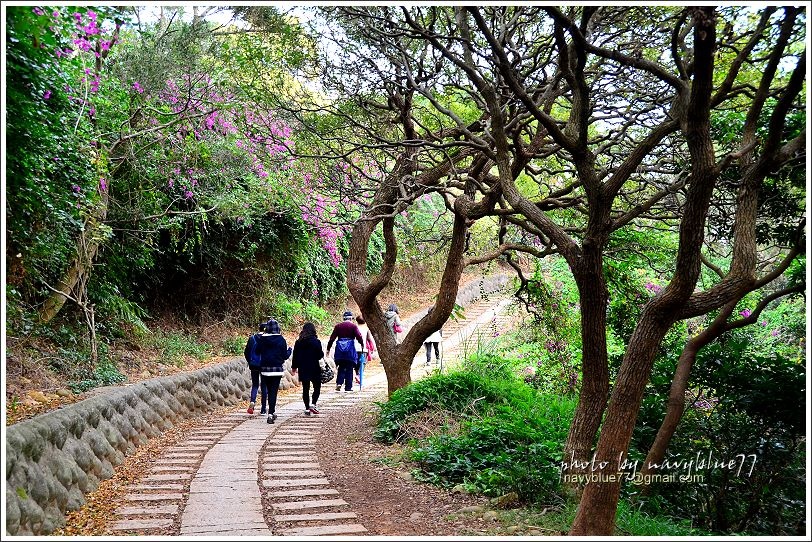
{"x":492,"y":434}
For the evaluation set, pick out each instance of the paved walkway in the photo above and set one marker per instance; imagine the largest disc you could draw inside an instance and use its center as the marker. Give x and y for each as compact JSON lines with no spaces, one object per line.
{"x":209,"y":484}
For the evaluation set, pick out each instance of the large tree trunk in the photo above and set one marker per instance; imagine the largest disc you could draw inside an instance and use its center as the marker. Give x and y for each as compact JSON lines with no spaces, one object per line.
{"x":594,"y":392}
{"x":596,"y":511}
{"x":598,"y":505}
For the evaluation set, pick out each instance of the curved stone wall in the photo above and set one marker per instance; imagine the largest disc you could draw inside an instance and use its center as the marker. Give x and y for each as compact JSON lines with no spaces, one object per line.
{"x":54,"y":459}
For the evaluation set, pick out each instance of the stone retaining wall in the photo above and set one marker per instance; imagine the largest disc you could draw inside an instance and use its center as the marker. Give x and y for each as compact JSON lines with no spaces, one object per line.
{"x":54,"y":459}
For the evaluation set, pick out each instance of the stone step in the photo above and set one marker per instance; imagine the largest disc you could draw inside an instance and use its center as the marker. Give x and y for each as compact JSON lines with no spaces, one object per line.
{"x":323,"y":530}
{"x":168,"y":477}
{"x":176,"y":461}
{"x":292,"y":473}
{"x":156,"y":487}
{"x":150,"y":497}
{"x":326,"y":516}
{"x":142,"y":524}
{"x":296,"y":463}
{"x":182,"y":455}
{"x":162,"y":510}
{"x":298,"y":505}
{"x":309,"y":492}
{"x":171,"y":468}
{"x":296,"y":483}
{"x":289,"y":458}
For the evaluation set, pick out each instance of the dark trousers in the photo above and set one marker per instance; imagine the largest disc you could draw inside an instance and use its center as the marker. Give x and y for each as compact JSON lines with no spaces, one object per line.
{"x":428,"y":351}
{"x":345,"y":374}
{"x":306,"y":392}
{"x":255,"y":385}
{"x":272,"y":383}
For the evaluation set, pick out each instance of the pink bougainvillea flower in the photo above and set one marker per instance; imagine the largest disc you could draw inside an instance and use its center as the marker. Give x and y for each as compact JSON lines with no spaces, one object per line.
{"x":102,"y":184}
{"x":138,"y":87}
{"x":78,"y":17}
{"x":38,"y":11}
{"x":76,"y":188}
{"x":46,"y":95}
{"x":91,"y":14}
{"x":55,"y":14}
{"x":774,"y":333}
{"x":746,"y":313}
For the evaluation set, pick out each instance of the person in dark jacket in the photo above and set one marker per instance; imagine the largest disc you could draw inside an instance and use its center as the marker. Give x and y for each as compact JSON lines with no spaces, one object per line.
{"x":273,"y":351}
{"x":345,"y":355}
{"x":307,"y":351}
{"x":254,"y":367}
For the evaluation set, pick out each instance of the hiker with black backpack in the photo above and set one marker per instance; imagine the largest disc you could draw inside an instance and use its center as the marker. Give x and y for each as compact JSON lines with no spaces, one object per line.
{"x":273,"y":351}
{"x":253,"y":359}
{"x":345,"y":334}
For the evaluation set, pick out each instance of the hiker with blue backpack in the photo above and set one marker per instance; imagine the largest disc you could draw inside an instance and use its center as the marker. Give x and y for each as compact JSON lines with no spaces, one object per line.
{"x":253,"y":359}
{"x":345,"y":334}
{"x":273,"y":351}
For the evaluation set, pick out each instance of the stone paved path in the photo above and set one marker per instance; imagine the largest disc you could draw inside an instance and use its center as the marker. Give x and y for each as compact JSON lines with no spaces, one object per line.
{"x":209,"y":484}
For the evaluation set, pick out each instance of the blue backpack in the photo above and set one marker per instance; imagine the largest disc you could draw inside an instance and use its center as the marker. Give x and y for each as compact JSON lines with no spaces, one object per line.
{"x":254,"y":358}
{"x":345,"y":350}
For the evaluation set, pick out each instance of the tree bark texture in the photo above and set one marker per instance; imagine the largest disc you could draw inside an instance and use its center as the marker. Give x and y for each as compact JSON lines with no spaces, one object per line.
{"x":598,"y":505}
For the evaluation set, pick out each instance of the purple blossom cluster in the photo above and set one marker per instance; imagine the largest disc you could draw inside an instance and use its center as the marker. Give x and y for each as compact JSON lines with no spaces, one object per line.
{"x":653,"y":288}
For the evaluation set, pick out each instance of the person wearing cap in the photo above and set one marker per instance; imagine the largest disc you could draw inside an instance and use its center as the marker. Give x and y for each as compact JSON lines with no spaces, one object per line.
{"x":273,"y":351}
{"x":344,"y":334}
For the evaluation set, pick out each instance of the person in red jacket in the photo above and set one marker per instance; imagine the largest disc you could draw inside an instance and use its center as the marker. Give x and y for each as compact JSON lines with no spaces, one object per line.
{"x":345,"y":334}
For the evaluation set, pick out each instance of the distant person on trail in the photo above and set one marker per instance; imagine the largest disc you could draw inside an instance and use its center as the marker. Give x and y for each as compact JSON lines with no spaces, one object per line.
{"x":393,"y":321}
{"x":273,"y":351}
{"x":344,"y":334}
{"x":434,"y":341}
{"x":252,"y":357}
{"x":307,"y":351}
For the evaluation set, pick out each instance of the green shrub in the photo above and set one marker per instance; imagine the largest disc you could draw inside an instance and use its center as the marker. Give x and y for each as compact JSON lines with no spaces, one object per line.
{"x":176,"y":346}
{"x":105,"y":374}
{"x":456,"y":392}
{"x":314,"y":313}
{"x":508,"y":437}
{"x":233,"y":346}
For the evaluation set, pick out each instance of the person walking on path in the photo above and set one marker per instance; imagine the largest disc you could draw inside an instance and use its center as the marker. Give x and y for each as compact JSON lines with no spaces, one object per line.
{"x":307,"y":351}
{"x":364,"y":349}
{"x":252,"y":357}
{"x":344,"y":334}
{"x":393,"y":321}
{"x":434,"y":341}
{"x":273,"y":351}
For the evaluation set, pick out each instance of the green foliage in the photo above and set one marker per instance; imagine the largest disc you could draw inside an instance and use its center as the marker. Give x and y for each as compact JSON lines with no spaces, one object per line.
{"x":745,"y":397}
{"x":175,"y":346}
{"x":453,"y":392}
{"x":105,"y":374}
{"x":506,"y":437}
{"x":233,"y":346}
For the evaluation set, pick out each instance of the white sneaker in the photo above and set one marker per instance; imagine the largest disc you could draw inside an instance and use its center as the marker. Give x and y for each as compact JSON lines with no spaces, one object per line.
{"x":307,"y":412}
